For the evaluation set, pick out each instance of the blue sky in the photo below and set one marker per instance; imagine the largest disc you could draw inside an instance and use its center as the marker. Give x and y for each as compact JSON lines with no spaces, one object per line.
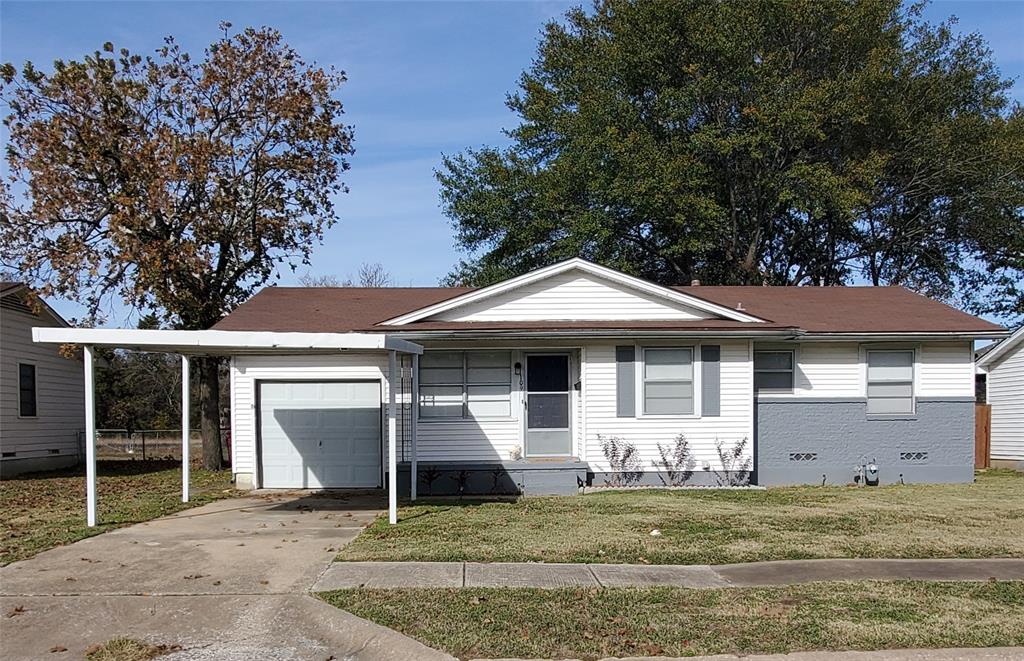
{"x":425,"y":78}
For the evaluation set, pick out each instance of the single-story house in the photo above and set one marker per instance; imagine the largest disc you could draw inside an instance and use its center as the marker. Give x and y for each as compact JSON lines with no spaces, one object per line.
{"x":515,"y":385}
{"x":1003,"y":367}
{"x":42,"y":417}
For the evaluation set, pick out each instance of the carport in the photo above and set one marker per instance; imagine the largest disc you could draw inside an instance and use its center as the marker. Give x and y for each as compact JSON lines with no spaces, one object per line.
{"x":189,"y":344}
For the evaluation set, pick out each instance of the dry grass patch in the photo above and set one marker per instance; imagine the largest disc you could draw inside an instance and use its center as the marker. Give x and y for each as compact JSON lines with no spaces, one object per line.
{"x":980,"y":520}
{"x":591,"y":623}
{"x":126,"y":649}
{"x":41,"y":510}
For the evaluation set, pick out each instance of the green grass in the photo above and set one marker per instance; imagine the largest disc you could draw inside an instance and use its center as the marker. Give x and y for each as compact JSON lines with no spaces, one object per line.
{"x":984,"y":519}
{"x":590,"y":623}
{"x":43,"y":510}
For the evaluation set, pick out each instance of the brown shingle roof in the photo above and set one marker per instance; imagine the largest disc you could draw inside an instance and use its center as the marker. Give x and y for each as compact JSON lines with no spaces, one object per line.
{"x":812,"y":309}
{"x":846,"y":309}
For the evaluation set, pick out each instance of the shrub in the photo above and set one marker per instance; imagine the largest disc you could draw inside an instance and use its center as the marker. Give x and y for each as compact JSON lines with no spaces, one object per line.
{"x":622,"y":456}
{"x":735,"y":464}
{"x":676,"y":463}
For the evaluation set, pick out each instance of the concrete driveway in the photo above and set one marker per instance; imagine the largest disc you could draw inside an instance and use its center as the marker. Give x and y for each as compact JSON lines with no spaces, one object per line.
{"x":227,"y":580}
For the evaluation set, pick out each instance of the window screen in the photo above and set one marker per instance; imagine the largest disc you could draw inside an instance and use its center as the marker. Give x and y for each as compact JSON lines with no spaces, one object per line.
{"x":890,"y":382}
{"x":773,"y":371}
{"x":668,"y":381}
{"x":27,"y":390}
{"x":465,"y":384}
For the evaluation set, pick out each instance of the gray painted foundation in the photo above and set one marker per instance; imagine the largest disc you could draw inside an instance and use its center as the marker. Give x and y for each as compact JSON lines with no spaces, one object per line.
{"x":499,"y":478}
{"x":816,"y":441}
{"x":653,"y":478}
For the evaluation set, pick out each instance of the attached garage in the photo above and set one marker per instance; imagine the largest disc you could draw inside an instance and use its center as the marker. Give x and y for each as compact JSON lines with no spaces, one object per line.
{"x":320,"y":434}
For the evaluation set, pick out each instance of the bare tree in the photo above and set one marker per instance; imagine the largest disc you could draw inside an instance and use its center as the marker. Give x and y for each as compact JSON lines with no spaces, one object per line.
{"x":370,"y":275}
{"x":310,"y":280}
{"x":374,"y":275}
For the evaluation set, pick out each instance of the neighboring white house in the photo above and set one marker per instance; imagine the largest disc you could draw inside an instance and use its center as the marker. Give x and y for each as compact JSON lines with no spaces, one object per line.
{"x":1003,"y":366}
{"x":513,"y":387}
{"x":42,"y":413}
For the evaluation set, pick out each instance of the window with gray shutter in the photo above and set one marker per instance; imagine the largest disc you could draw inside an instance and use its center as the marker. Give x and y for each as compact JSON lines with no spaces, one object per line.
{"x":668,"y":381}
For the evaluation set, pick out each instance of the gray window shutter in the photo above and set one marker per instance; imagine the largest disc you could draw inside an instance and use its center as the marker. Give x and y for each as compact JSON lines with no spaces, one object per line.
{"x":625,"y":381}
{"x":711,"y":380}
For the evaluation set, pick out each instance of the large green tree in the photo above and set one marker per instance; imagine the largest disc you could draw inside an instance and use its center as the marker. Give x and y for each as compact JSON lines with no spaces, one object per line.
{"x":176,"y":185}
{"x":797,"y":142}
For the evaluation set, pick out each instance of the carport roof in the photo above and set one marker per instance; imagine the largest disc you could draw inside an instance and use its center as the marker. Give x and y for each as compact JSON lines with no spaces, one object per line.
{"x":204,"y":342}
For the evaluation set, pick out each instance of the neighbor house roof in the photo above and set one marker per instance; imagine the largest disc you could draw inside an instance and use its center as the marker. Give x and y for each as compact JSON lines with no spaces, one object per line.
{"x":988,"y":356}
{"x":8,"y":286}
{"x":805,"y":309}
{"x":18,"y":296}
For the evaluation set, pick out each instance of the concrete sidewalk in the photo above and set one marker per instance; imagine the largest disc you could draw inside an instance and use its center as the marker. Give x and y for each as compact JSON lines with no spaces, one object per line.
{"x":343,"y":575}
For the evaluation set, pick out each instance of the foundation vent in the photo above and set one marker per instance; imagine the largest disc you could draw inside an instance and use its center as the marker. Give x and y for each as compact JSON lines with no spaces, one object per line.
{"x":914,"y":457}
{"x":803,"y":456}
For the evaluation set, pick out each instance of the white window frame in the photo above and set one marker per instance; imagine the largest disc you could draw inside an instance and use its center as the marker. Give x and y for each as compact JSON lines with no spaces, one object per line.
{"x":35,"y":389}
{"x":641,"y":379}
{"x":791,"y":371}
{"x":465,"y":384}
{"x":914,"y":376}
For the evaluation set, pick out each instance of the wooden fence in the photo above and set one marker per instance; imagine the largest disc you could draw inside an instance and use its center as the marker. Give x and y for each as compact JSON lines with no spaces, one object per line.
{"x":982,"y":434}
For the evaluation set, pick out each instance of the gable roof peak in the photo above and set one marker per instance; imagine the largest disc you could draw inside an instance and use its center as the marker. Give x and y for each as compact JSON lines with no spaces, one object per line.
{"x":668,"y":294}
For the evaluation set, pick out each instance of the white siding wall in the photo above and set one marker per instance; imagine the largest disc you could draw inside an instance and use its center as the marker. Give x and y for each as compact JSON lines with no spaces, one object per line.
{"x":60,"y":389}
{"x":569,"y":296}
{"x":1006,"y":395}
{"x":646,"y":432}
{"x":947,"y":369}
{"x":828,"y":370}
{"x":836,"y":369}
{"x":462,"y":440}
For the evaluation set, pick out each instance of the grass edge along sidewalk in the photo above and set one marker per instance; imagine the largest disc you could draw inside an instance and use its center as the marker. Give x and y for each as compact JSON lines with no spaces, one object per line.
{"x":588,"y":623}
{"x":984,"y":519}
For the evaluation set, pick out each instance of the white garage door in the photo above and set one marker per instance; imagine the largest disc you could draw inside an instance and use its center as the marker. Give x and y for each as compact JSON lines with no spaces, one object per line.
{"x":320,"y":434}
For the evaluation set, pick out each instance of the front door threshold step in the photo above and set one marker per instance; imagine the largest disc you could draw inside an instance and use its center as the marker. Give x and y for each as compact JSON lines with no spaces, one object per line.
{"x":346,"y":575}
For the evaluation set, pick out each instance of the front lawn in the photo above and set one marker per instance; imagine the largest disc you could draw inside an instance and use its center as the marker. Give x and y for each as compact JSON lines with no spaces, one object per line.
{"x":42,"y":510}
{"x":591,"y":623}
{"x":702,"y":526}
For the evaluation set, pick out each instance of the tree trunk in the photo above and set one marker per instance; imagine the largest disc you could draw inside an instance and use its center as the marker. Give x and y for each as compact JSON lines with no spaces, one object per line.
{"x":209,"y":407}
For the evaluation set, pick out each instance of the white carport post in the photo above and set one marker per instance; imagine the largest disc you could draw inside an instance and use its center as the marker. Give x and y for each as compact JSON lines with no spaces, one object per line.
{"x":184,"y":428}
{"x":392,"y":450}
{"x":90,"y":437}
{"x":415,"y":396}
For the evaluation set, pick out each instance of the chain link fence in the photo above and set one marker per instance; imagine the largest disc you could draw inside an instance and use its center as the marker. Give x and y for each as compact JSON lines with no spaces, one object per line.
{"x":146,"y":444}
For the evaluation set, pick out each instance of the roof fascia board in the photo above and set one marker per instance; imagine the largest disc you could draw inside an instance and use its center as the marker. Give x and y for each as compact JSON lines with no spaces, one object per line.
{"x":205,"y":341}
{"x":903,"y":337}
{"x":597,"y":333}
{"x":1001,"y":349}
{"x":561,"y":267}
